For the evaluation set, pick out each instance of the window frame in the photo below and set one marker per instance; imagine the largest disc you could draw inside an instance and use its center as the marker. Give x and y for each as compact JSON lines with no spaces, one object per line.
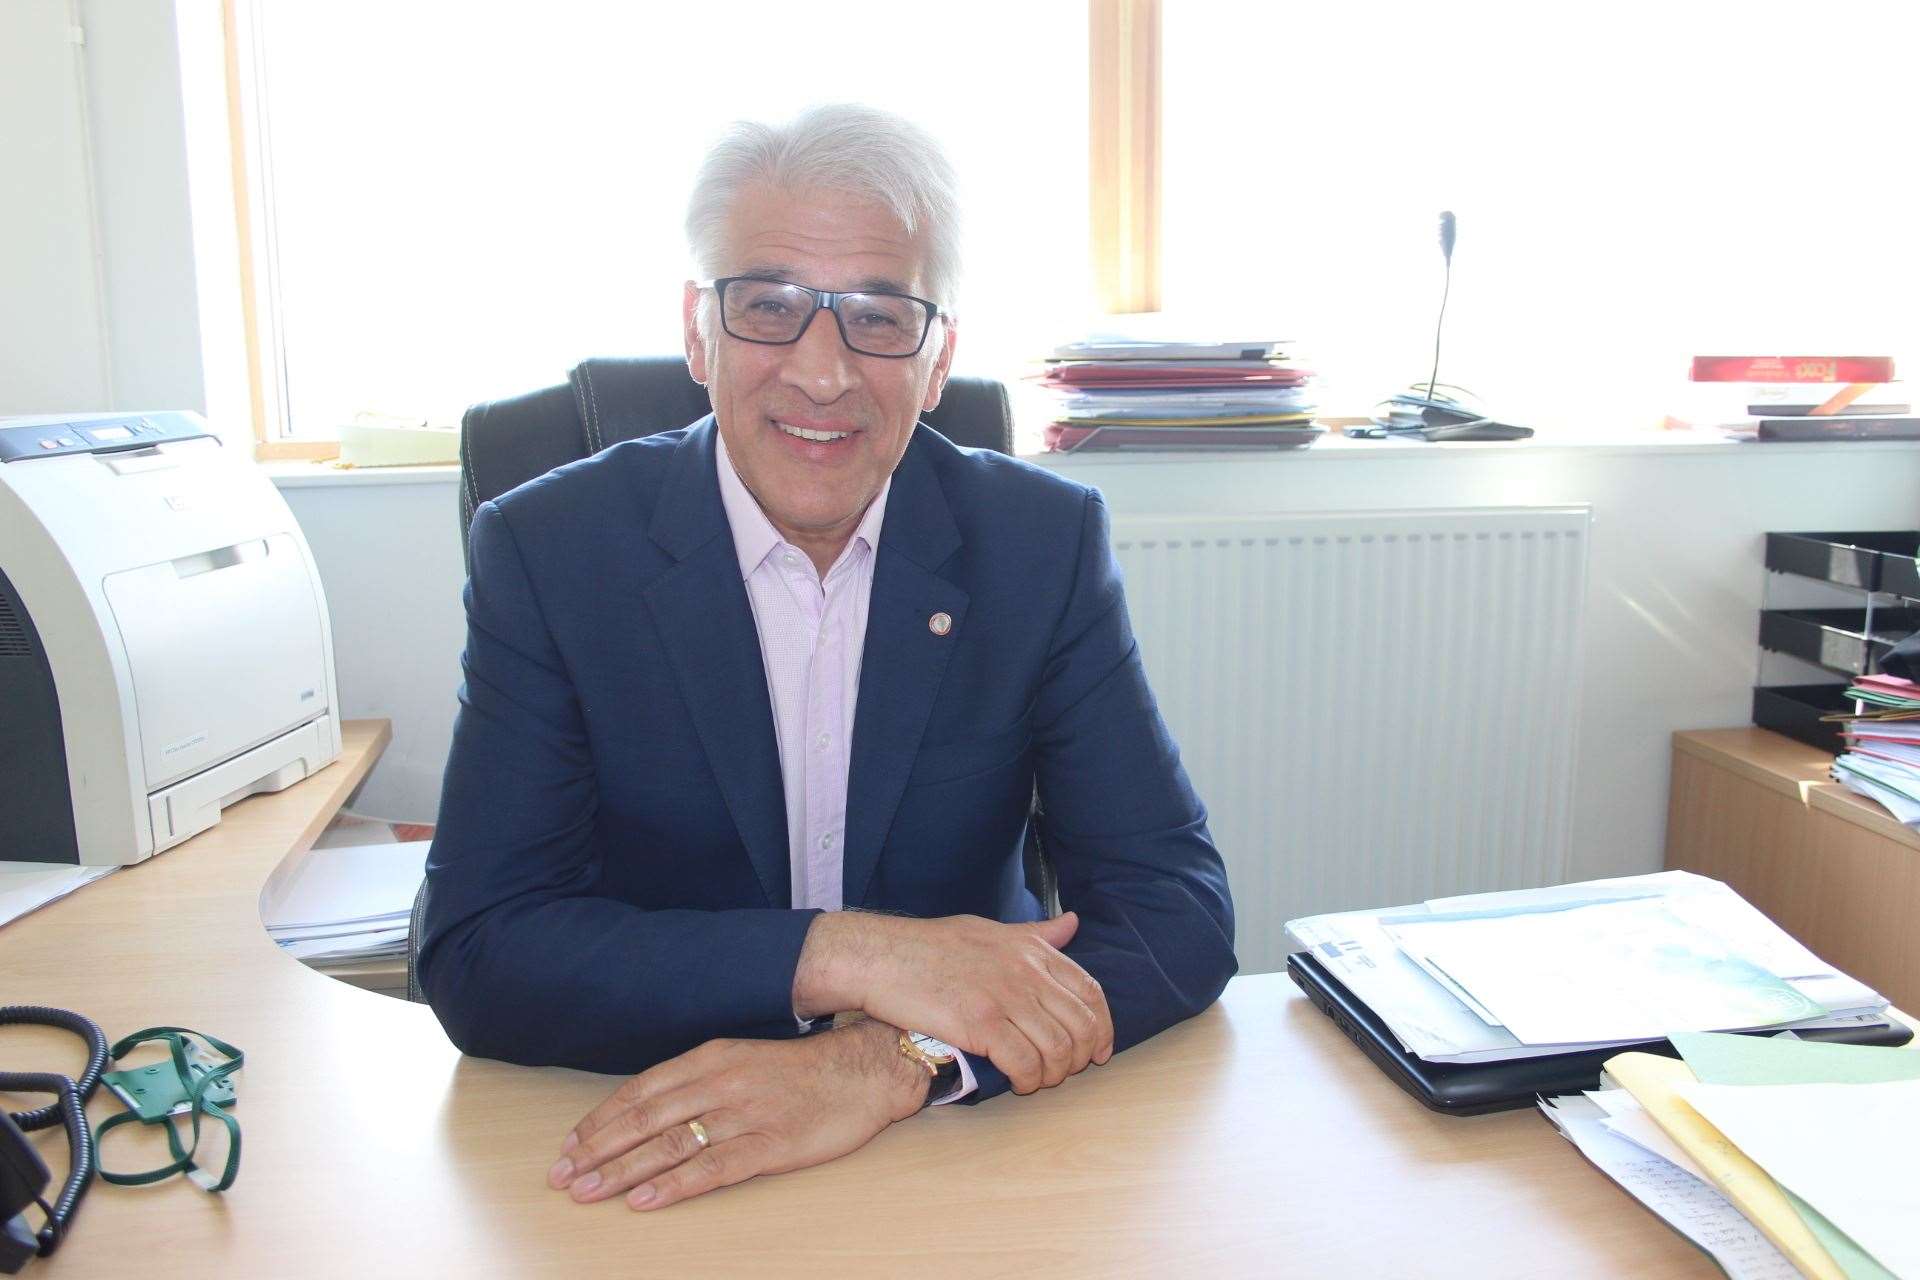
{"x":1123,"y":196}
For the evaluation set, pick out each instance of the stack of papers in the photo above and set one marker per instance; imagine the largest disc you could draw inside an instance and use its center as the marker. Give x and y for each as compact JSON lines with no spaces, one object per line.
{"x":348,"y":904}
{"x":1882,"y":760}
{"x":1775,"y":1156}
{"x":1503,"y":976}
{"x":1119,"y":392}
{"x":28,"y":886}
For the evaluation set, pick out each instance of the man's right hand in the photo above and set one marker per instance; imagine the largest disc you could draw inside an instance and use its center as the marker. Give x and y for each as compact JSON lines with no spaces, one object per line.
{"x":1002,"y":991}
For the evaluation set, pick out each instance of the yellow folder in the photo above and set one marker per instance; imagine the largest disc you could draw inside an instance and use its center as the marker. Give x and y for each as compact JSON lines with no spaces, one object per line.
{"x":1652,"y":1080}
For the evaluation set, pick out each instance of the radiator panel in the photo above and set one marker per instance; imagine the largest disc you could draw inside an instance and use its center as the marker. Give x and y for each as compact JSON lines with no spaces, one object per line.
{"x":1376,"y":707}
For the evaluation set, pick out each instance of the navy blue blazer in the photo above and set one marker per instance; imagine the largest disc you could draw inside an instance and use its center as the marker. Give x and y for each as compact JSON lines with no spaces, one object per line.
{"x":610,"y":870}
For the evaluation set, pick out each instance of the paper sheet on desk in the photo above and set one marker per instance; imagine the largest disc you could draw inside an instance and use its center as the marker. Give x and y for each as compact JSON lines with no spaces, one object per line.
{"x":1431,"y":1022}
{"x":336,"y":886}
{"x":1626,"y":1118}
{"x":28,"y":886}
{"x":1422,"y":1014}
{"x":1656,"y":1082}
{"x":1845,"y":1149}
{"x":1687,"y":1204}
{"x":1728,"y":1059}
{"x":1876,"y":782}
{"x":1697,"y":900}
{"x":1746,"y":1060}
{"x":1630,"y":970}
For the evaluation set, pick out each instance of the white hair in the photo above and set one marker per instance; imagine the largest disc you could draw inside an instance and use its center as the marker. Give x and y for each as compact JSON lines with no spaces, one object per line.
{"x":856,"y":150}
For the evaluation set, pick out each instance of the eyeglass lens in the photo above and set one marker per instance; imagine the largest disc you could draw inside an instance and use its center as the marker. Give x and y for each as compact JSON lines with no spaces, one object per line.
{"x":878,"y":324}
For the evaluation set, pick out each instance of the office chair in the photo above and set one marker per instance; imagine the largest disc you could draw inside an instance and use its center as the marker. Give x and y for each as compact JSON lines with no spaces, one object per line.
{"x":504,"y":443}
{"x":508,"y":442}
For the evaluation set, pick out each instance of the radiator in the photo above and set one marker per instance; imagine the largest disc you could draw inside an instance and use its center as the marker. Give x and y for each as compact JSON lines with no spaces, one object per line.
{"x":1376,"y":707}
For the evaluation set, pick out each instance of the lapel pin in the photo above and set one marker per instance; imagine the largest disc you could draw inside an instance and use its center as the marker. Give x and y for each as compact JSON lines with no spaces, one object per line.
{"x":940,"y":623}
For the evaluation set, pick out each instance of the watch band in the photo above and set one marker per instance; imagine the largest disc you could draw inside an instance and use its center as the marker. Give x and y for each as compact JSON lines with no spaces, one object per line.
{"x":945,"y":1083}
{"x":941,"y":1061}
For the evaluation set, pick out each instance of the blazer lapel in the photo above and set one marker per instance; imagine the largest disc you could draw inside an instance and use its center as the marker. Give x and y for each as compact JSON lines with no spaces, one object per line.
{"x":904,"y":660}
{"x":707,"y":631}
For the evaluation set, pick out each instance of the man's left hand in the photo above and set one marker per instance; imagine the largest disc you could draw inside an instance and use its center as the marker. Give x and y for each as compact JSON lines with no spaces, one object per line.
{"x":767,"y":1106}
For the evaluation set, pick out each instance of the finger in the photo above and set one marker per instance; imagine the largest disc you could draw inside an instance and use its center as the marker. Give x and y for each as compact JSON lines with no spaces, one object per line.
{"x":674,"y":1145}
{"x":1049,"y":1039}
{"x":1082,"y":1027}
{"x":720,"y":1165}
{"x":1009,"y":1049}
{"x":1053,"y":1040}
{"x":1088,"y":990}
{"x":639,"y":1124}
{"x":1057,"y":932}
{"x":651,"y":1083}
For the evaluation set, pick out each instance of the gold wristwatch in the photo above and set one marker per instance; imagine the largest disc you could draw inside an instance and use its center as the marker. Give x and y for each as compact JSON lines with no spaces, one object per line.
{"x":941,"y":1060}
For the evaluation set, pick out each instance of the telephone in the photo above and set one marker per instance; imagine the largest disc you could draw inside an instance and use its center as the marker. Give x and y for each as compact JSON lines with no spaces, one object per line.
{"x":190,"y":1081}
{"x":23,"y":1174}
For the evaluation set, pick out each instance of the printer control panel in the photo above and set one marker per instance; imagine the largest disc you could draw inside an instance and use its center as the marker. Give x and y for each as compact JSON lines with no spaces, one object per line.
{"x":103,"y":433}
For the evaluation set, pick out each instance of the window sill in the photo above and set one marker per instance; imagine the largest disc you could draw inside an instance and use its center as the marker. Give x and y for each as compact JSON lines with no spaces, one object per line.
{"x":1591,"y":444}
{"x":303,"y":475}
{"x":317,"y":475}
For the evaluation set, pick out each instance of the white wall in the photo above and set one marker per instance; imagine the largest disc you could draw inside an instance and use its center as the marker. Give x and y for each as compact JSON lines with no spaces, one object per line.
{"x":390,"y":561}
{"x":53,"y":340}
{"x":116,"y":290}
{"x":140,"y":184}
{"x":1675,"y":583}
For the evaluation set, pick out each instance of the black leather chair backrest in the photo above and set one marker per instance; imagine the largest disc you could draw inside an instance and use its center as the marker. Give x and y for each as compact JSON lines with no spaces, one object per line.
{"x":504,"y":443}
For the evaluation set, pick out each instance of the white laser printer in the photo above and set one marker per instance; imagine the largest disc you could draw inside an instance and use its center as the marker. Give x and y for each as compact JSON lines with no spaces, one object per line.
{"x":164,"y":641}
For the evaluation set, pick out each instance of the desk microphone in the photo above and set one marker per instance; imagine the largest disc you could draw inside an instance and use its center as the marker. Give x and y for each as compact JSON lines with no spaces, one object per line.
{"x":1447,"y":232}
{"x":1424,"y":412}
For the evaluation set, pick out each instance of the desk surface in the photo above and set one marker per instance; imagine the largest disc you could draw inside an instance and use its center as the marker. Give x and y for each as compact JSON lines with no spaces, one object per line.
{"x":1252,"y":1140}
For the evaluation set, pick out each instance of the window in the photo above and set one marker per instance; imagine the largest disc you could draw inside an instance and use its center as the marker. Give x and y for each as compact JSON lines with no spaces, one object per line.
{"x":459,"y":202}
{"x":1635,"y":184}
{"x":456,"y":203}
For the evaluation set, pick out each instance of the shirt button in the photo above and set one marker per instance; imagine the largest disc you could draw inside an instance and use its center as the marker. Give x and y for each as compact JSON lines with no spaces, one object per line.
{"x":826,"y":840}
{"x":822,"y":741}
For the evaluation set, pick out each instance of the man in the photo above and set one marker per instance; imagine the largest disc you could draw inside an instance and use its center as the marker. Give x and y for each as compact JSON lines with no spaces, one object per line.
{"x":754,"y":712}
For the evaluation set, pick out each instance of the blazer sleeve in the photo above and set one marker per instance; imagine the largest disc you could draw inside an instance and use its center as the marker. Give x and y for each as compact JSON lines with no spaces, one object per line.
{"x":1123,"y":827}
{"x":521,"y":959}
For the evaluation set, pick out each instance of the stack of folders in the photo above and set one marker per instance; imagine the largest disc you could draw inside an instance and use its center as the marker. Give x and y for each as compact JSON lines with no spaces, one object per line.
{"x":1882,"y":760}
{"x":345,"y":906}
{"x":1775,"y":1156}
{"x":1524,"y":980}
{"x":1120,"y":393}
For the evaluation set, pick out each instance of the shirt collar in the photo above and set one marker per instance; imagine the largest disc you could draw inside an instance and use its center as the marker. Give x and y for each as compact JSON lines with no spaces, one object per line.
{"x":755,"y":538}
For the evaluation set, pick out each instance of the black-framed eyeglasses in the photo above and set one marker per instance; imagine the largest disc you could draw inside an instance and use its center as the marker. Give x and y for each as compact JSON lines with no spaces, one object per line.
{"x":777,"y":313}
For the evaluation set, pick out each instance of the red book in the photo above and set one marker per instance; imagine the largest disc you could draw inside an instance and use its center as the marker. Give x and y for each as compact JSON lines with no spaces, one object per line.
{"x":1793,"y":368}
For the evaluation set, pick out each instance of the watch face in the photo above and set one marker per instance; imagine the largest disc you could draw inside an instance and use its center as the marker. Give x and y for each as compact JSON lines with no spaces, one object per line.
{"x":938,"y":1050}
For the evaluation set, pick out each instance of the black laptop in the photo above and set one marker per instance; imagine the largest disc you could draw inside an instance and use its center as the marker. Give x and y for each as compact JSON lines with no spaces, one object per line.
{"x":1473,"y":1088}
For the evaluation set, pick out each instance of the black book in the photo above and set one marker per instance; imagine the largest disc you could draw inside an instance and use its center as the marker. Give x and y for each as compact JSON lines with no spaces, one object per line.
{"x":1840,"y":428}
{"x":1806,"y":410}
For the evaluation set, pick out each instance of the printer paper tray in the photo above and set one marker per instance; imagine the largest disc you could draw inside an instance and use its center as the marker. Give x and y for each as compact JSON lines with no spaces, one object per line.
{"x":189,"y":807}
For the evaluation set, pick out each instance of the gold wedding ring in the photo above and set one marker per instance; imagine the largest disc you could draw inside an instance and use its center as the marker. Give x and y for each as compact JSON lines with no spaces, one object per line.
{"x":699,"y":1133}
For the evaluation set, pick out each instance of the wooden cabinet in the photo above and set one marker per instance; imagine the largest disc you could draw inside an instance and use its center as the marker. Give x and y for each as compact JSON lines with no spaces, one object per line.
{"x":1833,"y":868}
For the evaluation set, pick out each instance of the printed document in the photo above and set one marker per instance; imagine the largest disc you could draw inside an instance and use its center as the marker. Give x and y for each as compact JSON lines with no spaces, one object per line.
{"x":1629,"y":970}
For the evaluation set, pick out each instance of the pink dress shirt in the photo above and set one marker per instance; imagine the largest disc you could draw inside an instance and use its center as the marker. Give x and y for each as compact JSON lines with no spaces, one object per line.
{"x":813,"y":632}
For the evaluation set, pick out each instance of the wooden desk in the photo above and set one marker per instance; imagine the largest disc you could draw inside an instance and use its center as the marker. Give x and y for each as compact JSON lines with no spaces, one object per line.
{"x":1833,"y":868}
{"x":1250,"y":1141}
